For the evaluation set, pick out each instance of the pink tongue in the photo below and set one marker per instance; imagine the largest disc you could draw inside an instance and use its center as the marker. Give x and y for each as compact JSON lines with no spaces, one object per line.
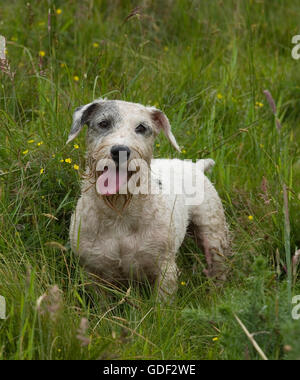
{"x":111,"y":181}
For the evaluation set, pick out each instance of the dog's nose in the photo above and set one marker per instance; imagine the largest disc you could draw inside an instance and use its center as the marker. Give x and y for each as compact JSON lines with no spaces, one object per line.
{"x":117,"y":155}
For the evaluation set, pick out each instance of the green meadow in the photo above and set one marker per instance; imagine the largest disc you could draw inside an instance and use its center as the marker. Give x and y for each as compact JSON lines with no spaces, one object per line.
{"x":206,"y":64}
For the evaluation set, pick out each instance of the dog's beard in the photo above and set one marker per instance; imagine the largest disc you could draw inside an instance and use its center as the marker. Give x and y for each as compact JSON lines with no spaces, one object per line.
{"x":117,"y":202}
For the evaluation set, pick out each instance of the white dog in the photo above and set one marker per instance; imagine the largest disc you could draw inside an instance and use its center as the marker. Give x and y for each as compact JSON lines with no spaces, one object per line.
{"x":123,"y":235}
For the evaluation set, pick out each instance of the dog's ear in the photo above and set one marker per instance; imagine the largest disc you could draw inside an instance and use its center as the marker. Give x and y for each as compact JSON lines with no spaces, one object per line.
{"x":81,"y":116}
{"x":162,"y":123}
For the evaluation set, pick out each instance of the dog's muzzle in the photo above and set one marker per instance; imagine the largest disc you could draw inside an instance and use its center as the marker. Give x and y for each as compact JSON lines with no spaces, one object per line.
{"x":120,"y":154}
{"x":113,"y":174}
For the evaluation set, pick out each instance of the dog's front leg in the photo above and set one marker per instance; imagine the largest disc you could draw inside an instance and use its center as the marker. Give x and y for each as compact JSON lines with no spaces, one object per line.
{"x":167,"y":281}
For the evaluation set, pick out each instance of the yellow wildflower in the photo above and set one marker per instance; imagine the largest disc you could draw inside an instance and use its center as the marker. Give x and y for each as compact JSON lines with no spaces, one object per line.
{"x":76,"y":167}
{"x":40,"y":143}
{"x":219,"y":96}
{"x":183,"y":283}
{"x":58,"y":11}
{"x":250,"y":217}
{"x":61,"y":160}
{"x":76,"y":78}
{"x":42,"y":53}
{"x":68,"y":160}
{"x":42,"y":171}
{"x":183,"y":151}
{"x":25,"y":151}
{"x":259,"y":104}
{"x":53,"y":155}
{"x":30,"y":141}
{"x":95,"y":44}
{"x":76,"y":146}
{"x":157,"y":145}
{"x":215,"y":339}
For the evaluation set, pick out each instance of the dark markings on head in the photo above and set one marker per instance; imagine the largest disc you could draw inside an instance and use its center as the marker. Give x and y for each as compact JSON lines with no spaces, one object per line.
{"x":148,"y":132}
{"x":102,"y":119}
{"x":143,"y":129}
{"x":88,"y":113}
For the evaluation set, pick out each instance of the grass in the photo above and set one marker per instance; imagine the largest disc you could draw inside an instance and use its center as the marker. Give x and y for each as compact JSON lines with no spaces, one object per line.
{"x":206,"y":65}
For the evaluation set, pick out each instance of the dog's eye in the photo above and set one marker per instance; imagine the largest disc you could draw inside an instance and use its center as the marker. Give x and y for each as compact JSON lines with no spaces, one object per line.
{"x":104,"y":124}
{"x":140,"y":129}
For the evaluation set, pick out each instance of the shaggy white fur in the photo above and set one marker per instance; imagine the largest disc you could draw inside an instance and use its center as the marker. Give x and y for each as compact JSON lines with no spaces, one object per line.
{"x":141,"y":241}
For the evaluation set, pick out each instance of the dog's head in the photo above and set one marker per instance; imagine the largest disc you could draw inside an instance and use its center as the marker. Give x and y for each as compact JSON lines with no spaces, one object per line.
{"x":119,"y":133}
